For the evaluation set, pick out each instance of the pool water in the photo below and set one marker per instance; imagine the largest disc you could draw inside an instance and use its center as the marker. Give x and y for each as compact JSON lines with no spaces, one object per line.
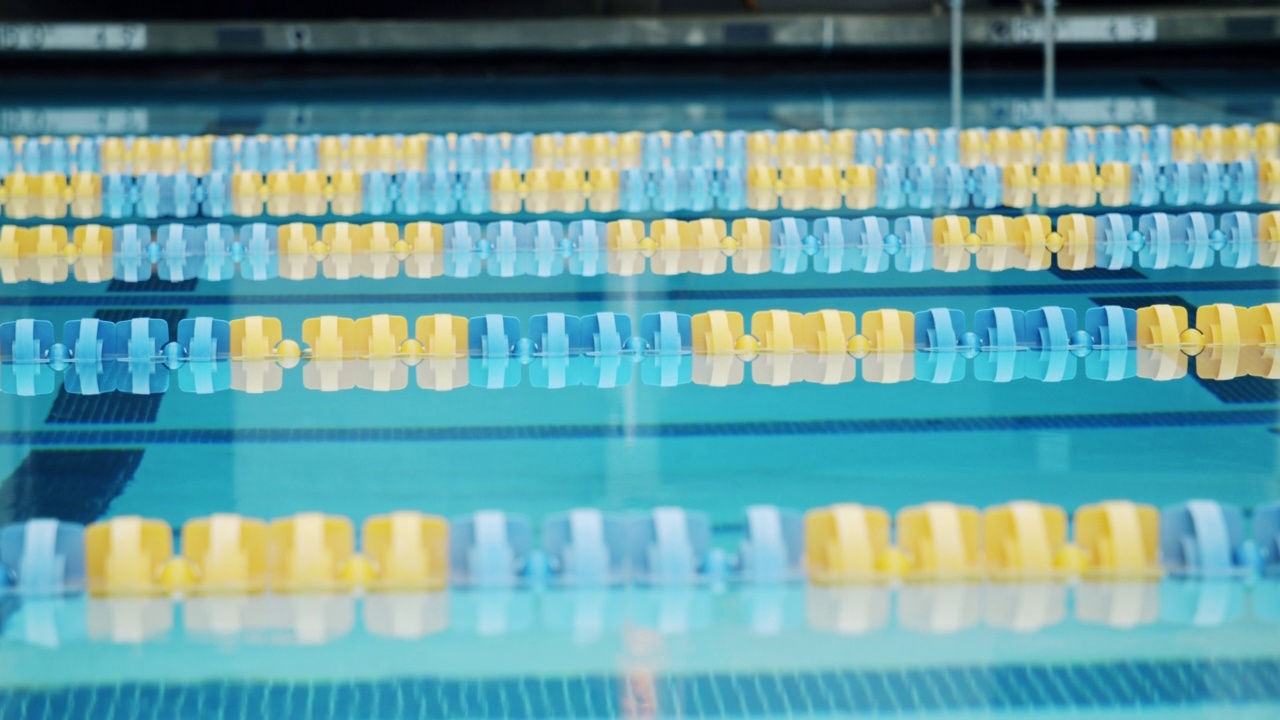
{"x":1168,"y":648}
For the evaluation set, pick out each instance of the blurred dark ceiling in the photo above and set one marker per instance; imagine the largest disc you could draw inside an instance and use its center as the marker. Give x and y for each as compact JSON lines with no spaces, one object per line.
{"x":248,"y":39}
{"x":504,"y":9}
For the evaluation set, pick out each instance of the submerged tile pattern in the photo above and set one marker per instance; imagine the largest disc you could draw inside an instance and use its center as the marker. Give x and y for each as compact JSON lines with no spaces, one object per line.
{"x":222,"y":436}
{"x":1084,"y":688}
{"x":70,"y":485}
{"x":171,"y":316}
{"x":77,"y":484}
{"x":152,"y":284}
{"x":1242,"y":389}
{"x":1096,"y":273}
{"x":113,"y":408}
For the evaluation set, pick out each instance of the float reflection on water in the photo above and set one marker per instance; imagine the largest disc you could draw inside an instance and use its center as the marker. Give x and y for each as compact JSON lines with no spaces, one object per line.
{"x":587,"y":614}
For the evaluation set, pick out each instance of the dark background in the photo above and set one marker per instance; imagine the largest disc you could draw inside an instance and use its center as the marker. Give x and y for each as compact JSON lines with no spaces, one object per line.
{"x":499,"y":9}
{"x":1239,"y":55}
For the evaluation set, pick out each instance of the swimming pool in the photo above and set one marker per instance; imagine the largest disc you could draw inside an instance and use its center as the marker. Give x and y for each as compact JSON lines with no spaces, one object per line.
{"x":634,"y":432}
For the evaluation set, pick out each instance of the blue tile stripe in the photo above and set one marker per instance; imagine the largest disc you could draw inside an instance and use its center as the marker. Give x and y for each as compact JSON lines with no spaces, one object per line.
{"x":1079,"y":687}
{"x":933,"y":290}
{"x":1095,"y":273}
{"x":222,"y":436}
{"x":1242,"y":389}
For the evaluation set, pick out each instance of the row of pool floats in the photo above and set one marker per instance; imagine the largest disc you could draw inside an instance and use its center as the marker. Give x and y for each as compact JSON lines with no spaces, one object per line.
{"x":603,"y":190}
{"x":711,"y":348}
{"x":840,"y":544}
{"x":177,"y":252}
{"x":713,"y":149}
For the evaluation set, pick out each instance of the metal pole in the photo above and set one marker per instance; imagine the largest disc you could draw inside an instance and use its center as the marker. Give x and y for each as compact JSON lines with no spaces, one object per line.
{"x":957,"y":60}
{"x":1050,"y":61}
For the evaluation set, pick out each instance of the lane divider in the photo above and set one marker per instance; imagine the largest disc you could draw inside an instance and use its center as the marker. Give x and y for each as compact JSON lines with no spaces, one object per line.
{"x":176,"y":252}
{"x":596,"y":190}
{"x":1116,"y":540}
{"x":197,"y":155}
{"x":713,"y":348}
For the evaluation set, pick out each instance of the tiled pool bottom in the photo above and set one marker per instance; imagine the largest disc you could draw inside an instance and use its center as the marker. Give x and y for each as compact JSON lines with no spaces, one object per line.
{"x":1151,"y":649}
{"x":1156,"y":686}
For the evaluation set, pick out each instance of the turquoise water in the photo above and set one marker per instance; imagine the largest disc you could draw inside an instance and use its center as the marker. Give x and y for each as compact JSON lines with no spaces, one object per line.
{"x":1164,"y":649}
{"x":535,"y":451}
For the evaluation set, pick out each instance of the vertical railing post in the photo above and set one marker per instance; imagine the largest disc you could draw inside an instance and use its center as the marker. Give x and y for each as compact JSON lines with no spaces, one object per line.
{"x":1050,"y":60}
{"x":957,"y":61}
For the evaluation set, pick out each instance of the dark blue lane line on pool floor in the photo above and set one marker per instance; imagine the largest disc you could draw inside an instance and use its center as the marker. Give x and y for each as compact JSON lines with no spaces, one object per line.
{"x":436,"y":298}
{"x":223,"y":436}
{"x":115,"y":408}
{"x":1247,"y":390}
{"x":73,"y":485}
{"x":1080,"y":687}
{"x":152,"y":284}
{"x":1095,"y":273}
{"x":77,"y":484}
